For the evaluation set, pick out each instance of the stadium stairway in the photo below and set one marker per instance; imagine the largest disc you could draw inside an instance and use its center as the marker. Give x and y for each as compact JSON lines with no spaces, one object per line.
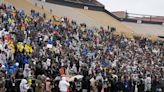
{"x":64,"y":11}
{"x":91,"y":18}
{"x":105,"y":19}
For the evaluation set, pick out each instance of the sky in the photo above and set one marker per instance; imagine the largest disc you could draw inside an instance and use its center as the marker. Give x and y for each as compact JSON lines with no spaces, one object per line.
{"x":147,"y":7}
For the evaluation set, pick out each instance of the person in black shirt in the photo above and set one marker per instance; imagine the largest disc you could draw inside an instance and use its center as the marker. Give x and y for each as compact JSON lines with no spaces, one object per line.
{"x":132,"y":84}
{"x":11,"y":85}
{"x":86,"y":83}
{"x":140,"y":85}
{"x":77,"y":86}
{"x":99,"y":85}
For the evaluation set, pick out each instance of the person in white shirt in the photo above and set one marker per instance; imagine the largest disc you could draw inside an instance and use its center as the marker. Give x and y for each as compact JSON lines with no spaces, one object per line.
{"x":24,"y":86}
{"x":74,"y":69}
{"x":2,"y":32}
{"x":63,"y":85}
{"x":27,"y":71}
{"x":148,"y":83}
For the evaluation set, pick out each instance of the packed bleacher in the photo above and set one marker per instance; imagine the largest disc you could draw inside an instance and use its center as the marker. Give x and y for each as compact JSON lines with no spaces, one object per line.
{"x":58,"y":55}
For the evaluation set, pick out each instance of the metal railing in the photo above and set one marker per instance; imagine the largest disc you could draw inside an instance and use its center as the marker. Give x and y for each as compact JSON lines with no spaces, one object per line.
{"x":142,"y":17}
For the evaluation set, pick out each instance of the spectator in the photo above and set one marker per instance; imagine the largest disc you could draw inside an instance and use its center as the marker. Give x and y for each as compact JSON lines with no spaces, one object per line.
{"x":27,"y":71}
{"x":148,"y":84}
{"x":77,"y":85}
{"x":64,"y":85}
{"x":99,"y":85}
{"x":11,"y":85}
{"x":39,"y":86}
{"x":86,"y":84}
{"x":24,"y":86}
{"x":2,"y":83}
{"x":48,"y":85}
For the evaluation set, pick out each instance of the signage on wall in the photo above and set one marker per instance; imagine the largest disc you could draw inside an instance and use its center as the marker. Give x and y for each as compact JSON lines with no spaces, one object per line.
{"x":85,"y":7}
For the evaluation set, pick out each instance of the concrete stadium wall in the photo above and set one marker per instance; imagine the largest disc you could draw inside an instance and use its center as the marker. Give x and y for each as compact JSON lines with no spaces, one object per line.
{"x":147,"y":29}
{"x":145,"y":22}
{"x":77,"y":5}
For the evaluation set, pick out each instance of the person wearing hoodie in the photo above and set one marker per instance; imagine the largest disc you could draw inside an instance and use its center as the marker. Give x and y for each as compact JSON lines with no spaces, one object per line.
{"x":27,"y":71}
{"x":63,"y":85}
{"x":24,"y":86}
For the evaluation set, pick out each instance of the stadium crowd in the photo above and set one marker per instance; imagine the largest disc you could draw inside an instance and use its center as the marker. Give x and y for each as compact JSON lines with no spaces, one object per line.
{"x":58,"y":55}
